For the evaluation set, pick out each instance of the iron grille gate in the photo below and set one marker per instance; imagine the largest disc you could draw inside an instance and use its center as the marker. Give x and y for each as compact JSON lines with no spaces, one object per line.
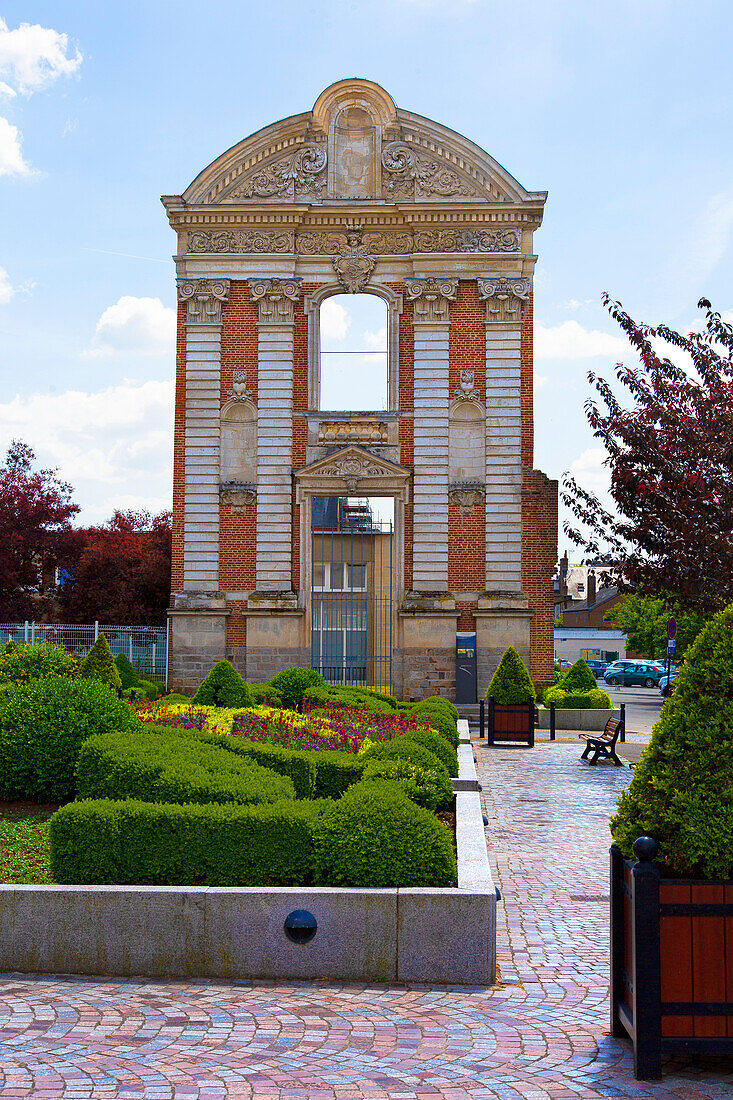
{"x":351,"y":594}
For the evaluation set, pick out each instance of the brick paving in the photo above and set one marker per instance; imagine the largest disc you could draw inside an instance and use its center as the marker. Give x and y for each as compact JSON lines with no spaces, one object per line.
{"x":541,"y":1035}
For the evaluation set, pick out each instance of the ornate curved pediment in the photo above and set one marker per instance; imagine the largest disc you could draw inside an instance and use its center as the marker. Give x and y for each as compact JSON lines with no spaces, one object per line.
{"x":355,"y":144}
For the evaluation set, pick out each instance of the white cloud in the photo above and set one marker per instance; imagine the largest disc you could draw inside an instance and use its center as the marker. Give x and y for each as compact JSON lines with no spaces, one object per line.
{"x":135,"y":326}
{"x":376,"y":340}
{"x":709,"y":237}
{"x":32,"y":57}
{"x":6,"y":90}
{"x":589,"y":471}
{"x":11,"y":155}
{"x":335,"y":320}
{"x":570,"y":340}
{"x":114,"y":446}
{"x":6,"y":288}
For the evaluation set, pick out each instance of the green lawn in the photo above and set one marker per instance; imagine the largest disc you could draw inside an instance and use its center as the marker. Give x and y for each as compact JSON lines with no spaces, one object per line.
{"x":24,"y":842}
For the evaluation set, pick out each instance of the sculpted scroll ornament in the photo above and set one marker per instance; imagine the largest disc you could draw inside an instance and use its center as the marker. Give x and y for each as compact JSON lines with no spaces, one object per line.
{"x":203,"y":298}
{"x":466,"y":494}
{"x":276,"y":299}
{"x":468,"y":240}
{"x":506,"y":297}
{"x":237,"y":495}
{"x":239,"y":390}
{"x":300,"y":173}
{"x":466,"y":391}
{"x":260,"y":240}
{"x":409,"y":174}
{"x":432,"y":297}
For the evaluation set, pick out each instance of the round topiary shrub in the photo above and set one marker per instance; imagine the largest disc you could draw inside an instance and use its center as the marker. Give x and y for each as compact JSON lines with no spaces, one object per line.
{"x":223,"y":687}
{"x":292,"y":683}
{"x":511,"y":683}
{"x":43,"y":726}
{"x":579,"y":678}
{"x":99,"y":663}
{"x":375,"y":836}
{"x":682,"y":790}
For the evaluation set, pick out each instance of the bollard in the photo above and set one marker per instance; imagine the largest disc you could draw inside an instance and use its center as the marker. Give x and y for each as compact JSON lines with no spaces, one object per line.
{"x":552,"y":720}
{"x":482,"y":718}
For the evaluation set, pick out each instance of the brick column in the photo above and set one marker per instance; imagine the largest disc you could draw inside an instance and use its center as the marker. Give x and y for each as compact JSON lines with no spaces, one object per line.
{"x":506,"y":300}
{"x":203,"y":299}
{"x":431,"y":319}
{"x":276,"y":327}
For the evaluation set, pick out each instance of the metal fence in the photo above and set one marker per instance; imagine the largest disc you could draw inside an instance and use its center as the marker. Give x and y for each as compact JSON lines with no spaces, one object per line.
{"x":146,"y":646}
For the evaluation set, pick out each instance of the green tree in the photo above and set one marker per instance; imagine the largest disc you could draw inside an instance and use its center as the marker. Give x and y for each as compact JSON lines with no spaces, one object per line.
{"x":99,"y":663}
{"x":644,"y":621}
{"x":511,"y":683}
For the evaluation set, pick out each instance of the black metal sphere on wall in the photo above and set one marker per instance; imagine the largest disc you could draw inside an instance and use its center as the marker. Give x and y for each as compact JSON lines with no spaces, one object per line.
{"x":300,"y":926}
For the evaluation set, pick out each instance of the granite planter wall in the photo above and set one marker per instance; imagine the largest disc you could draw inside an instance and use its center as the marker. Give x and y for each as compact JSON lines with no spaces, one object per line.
{"x":576,"y":718}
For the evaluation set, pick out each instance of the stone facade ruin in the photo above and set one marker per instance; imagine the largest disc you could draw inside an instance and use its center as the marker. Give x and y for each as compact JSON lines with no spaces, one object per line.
{"x":358,"y":195}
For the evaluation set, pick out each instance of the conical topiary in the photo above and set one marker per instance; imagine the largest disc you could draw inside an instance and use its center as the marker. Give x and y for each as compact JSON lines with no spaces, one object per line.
{"x":99,"y":663}
{"x":128,"y":674}
{"x":223,"y":687}
{"x":578,"y":678}
{"x":511,"y":683}
{"x":682,"y":790}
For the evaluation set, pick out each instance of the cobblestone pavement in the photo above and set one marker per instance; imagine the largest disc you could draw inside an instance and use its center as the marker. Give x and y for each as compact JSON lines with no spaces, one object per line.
{"x":542,"y":1034}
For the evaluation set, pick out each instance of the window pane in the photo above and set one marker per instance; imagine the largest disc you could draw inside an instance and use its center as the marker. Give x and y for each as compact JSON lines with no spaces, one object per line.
{"x":337,"y":576}
{"x":358,"y":577}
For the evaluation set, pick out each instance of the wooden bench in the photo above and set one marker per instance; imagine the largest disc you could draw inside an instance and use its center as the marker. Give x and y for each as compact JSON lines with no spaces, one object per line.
{"x":605,"y":745}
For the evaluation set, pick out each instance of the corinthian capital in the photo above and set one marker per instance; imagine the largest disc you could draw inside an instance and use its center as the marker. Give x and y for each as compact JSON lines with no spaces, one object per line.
{"x":432,"y":297}
{"x":203,"y":298}
{"x":276,"y":299}
{"x":506,"y":297}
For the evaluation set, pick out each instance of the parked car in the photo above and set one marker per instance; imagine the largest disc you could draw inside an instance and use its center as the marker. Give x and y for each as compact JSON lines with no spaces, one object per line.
{"x":597,"y":667}
{"x":633,"y":674}
{"x":667,"y":683}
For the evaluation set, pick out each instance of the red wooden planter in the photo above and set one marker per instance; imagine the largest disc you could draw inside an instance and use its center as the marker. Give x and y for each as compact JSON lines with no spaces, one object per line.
{"x":511,"y":722}
{"x":671,"y":961}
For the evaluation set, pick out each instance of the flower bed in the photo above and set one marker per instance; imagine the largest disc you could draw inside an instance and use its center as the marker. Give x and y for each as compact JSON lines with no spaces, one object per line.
{"x":338,"y":727}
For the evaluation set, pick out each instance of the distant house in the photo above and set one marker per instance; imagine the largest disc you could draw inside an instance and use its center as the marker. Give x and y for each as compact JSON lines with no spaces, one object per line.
{"x":597,"y":612}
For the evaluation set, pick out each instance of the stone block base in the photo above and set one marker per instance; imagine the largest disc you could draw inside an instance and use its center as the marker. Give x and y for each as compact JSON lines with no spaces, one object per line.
{"x":197,"y":640}
{"x":264,"y":661}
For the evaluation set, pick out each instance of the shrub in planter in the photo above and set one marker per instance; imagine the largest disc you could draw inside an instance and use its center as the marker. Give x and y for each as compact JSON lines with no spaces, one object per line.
{"x":99,"y":663}
{"x":511,"y":683}
{"x":375,"y":836}
{"x":159,"y":844}
{"x":681,"y":793}
{"x":292,"y":683}
{"x":578,"y":679}
{"x":43,"y":726}
{"x":223,"y":687}
{"x":128,"y":673}
{"x":155,"y":765}
{"x":428,"y":787}
{"x":20,"y":664}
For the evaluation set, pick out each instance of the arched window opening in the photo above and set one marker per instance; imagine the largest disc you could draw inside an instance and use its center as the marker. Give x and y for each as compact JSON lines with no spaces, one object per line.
{"x":354,"y":367}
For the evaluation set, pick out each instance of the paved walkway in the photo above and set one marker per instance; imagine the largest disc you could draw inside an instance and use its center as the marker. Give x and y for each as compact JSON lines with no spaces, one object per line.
{"x":543,"y":1034}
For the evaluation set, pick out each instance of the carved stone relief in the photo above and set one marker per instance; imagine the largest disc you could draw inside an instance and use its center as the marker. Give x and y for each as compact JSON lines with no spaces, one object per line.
{"x":377,"y":242}
{"x":354,"y":169}
{"x":466,"y":390}
{"x":431,"y":297}
{"x":239,"y":391}
{"x":354,"y":265}
{"x":276,"y":299}
{"x":352,"y":468}
{"x":236,"y":240}
{"x":237,"y":495}
{"x":466,"y":494}
{"x":203,"y":298}
{"x":361,"y":430}
{"x":506,"y":297}
{"x":301,"y":173}
{"x":409,"y":174}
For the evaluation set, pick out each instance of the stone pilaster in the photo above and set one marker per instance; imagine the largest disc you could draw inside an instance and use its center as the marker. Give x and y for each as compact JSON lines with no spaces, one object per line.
{"x":203,"y":298}
{"x":276,"y":301}
{"x":506,"y":300}
{"x":431,"y":299}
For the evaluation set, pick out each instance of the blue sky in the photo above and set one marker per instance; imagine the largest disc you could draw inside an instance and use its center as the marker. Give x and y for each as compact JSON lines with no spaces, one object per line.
{"x":622,"y":112}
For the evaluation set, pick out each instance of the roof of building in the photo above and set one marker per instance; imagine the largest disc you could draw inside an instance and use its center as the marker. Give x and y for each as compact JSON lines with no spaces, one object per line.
{"x":602,"y":596}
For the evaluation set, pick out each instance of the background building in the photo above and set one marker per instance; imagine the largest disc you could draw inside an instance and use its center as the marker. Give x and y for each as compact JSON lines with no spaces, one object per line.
{"x":358,"y":197}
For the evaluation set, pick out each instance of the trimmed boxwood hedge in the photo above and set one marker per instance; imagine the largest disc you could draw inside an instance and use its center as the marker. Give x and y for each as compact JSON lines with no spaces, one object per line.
{"x":375,"y":836}
{"x":160,"y":844}
{"x":428,"y":787}
{"x":155,"y":765}
{"x":440,"y":746}
{"x":440,"y":714}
